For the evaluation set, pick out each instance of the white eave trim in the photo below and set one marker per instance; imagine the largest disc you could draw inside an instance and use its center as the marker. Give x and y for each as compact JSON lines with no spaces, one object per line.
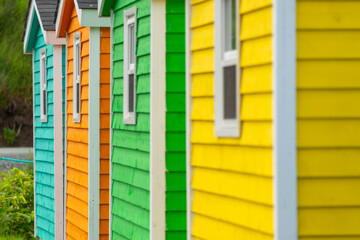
{"x":59,"y":17}
{"x":29,"y":21}
{"x":100,"y":7}
{"x":284,"y":117}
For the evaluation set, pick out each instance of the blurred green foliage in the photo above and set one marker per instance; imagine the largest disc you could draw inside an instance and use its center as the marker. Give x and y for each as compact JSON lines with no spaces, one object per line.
{"x":9,"y":136}
{"x":15,"y":66}
{"x":17,"y":203}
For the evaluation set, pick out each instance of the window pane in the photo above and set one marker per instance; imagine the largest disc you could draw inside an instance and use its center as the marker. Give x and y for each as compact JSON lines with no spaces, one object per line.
{"x":131,"y":93}
{"x":44,"y":102}
{"x":77,"y":97}
{"x":230,"y":25}
{"x":131,"y":43}
{"x":230,"y":92}
{"x":43,"y":68}
{"x":77,"y":73}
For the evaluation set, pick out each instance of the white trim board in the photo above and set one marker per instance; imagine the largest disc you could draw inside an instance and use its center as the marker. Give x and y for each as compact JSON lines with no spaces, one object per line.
{"x":112,"y":16}
{"x":157,"y":121}
{"x":189,"y":170}
{"x":100,"y":9}
{"x":34,"y":123}
{"x":94,"y":132}
{"x":58,"y":142}
{"x":284,"y":117}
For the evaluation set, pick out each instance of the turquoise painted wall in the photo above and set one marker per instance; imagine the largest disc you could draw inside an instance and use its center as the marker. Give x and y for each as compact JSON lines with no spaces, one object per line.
{"x":175,"y":121}
{"x":131,"y":144}
{"x":44,"y":145}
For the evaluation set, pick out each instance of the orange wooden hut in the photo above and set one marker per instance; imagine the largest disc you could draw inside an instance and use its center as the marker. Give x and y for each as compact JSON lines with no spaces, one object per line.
{"x":87,"y":118}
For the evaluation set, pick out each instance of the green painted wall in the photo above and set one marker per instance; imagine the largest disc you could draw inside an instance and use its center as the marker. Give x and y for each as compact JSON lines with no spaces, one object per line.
{"x":175,"y":121}
{"x":131,"y":143}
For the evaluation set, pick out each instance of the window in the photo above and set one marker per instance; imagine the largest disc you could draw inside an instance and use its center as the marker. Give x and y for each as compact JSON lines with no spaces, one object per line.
{"x":129,"y":106}
{"x":227,"y":94}
{"x":76,"y":77}
{"x":43,"y":90}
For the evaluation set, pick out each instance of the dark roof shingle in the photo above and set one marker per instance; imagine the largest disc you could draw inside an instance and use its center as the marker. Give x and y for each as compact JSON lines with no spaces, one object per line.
{"x":47,"y":10}
{"x":87,"y":4}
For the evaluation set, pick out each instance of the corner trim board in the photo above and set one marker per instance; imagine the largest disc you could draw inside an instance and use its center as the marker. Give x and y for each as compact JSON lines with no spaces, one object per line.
{"x":58,"y":142}
{"x":189,"y":170}
{"x":94,"y":131}
{"x":34,"y":160}
{"x":111,"y":121}
{"x":157,"y":121}
{"x":284,"y":115}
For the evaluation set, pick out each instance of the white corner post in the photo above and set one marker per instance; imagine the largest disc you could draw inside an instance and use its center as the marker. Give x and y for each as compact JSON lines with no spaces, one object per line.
{"x":34,"y":123}
{"x":94,"y":132}
{"x":284,"y":117}
{"x":157,"y":120}
{"x":58,"y":143}
{"x":111,"y":119}
{"x":189,"y":170}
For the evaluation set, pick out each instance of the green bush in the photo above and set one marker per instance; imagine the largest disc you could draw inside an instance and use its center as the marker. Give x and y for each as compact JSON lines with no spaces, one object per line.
{"x":17,"y":203}
{"x":9,"y":136}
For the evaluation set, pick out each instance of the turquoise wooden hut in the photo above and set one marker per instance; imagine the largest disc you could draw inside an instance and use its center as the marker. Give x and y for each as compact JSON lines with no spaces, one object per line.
{"x":48,"y":91}
{"x":148,"y":166}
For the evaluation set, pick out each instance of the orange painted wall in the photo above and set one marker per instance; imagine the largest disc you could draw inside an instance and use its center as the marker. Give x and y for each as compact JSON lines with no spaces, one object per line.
{"x":77,"y":139}
{"x":104,"y":131}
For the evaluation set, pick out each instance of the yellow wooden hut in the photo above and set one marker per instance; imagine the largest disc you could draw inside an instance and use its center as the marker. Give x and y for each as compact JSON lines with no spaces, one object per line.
{"x":273,"y":119}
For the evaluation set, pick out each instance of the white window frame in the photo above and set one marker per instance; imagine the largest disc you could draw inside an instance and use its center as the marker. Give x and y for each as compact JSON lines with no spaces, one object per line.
{"x":43,"y":86}
{"x":76,"y":77}
{"x":129,"y":19}
{"x":225,"y":127}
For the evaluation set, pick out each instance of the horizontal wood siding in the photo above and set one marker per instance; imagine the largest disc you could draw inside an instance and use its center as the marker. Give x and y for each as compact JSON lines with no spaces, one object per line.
{"x":175,"y":121}
{"x":77,"y":139}
{"x":131,"y":143}
{"x":104,"y":131}
{"x":328,"y":111}
{"x":44,"y":145}
{"x":232,"y":177}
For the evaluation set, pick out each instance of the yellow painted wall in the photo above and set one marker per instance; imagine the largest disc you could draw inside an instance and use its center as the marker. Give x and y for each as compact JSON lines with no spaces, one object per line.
{"x":232,"y":178}
{"x":328,"y":88}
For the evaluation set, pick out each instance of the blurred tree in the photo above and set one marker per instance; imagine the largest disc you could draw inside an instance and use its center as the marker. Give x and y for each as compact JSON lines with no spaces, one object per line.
{"x":15,"y":67}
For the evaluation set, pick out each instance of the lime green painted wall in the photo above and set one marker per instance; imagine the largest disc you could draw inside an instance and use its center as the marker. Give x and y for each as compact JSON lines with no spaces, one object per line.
{"x":131,"y":143}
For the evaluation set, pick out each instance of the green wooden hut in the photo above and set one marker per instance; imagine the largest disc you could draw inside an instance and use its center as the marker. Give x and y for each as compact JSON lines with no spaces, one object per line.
{"x":148,"y":146}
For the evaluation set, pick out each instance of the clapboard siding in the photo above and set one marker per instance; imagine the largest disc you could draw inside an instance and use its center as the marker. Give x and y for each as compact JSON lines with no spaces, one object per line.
{"x":175,"y":121}
{"x":328,"y":94}
{"x":131,"y":143}
{"x":232,"y":177}
{"x":104,"y":131}
{"x":44,"y":145}
{"x":77,"y":138}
